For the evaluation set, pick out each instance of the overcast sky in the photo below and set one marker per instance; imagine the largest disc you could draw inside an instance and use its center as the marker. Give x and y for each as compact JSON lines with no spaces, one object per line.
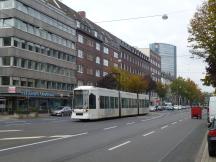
{"x":142,"y":32}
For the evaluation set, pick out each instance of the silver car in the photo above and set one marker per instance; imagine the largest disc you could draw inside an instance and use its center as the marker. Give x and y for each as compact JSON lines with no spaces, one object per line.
{"x":61,"y":111}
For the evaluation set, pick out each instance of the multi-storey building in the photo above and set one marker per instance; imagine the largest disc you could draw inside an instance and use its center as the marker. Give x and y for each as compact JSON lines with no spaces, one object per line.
{"x":46,"y":49}
{"x":155,"y":63}
{"x":37,"y":54}
{"x":168,"y":57}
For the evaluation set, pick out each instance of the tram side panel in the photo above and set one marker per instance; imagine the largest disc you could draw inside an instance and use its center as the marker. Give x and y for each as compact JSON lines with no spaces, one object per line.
{"x":143,"y":104}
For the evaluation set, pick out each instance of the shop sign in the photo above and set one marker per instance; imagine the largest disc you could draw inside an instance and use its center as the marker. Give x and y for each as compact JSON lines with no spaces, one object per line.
{"x":37,"y":94}
{"x":11,"y":89}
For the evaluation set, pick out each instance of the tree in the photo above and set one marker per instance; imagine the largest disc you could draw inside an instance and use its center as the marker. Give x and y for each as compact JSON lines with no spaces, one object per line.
{"x":202,"y":38}
{"x":137,"y":84}
{"x":108,"y":81}
{"x":151,"y":83}
{"x":187,"y":90}
{"x":129,"y":82}
{"x":161,"y":90}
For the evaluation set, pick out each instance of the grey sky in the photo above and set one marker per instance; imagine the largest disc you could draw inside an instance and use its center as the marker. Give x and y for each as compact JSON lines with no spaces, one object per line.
{"x":141,"y":32}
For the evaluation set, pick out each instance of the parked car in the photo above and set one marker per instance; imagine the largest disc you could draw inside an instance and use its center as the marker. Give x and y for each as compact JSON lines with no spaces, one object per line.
{"x":61,"y":111}
{"x":175,"y":107}
{"x":212,"y":138}
{"x":152,"y":108}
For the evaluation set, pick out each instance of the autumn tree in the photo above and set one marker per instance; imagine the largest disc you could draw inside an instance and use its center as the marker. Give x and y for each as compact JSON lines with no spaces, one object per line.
{"x":129,"y":82}
{"x":161,"y":90}
{"x":202,"y":38}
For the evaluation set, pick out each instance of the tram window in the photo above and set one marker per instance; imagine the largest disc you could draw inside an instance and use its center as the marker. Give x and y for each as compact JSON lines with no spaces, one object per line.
{"x":102,"y":103}
{"x":124,"y":103}
{"x":116,"y":102}
{"x":112,"y":102}
{"x":107,"y":105}
{"x":92,"y":101}
{"x":129,"y":103}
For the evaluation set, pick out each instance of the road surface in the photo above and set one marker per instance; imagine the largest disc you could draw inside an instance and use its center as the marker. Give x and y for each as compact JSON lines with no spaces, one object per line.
{"x":165,"y":136}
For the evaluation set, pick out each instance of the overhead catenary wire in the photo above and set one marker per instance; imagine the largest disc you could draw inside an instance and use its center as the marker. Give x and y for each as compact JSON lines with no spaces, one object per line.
{"x":142,"y":17}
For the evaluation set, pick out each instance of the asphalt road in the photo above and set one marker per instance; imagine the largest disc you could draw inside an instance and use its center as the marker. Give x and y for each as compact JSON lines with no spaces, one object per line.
{"x":160,"y":136}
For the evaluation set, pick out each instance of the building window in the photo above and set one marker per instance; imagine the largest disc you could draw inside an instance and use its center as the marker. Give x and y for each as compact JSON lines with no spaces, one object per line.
{"x":80,"y":83}
{"x":105,"y":62}
{"x":80,"y":53}
{"x":105,"y":73}
{"x":80,"y":68}
{"x":115,"y":65}
{"x":80,"y":38}
{"x":97,"y":73}
{"x":6,"y":61}
{"x":78,"y":24}
{"x":5,"y":80}
{"x":7,"y":41}
{"x":95,"y":33}
{"x":98,"y":60}
{"x":106,"y":50}
{"x":115,"y":54}
{"x":98,"y":46}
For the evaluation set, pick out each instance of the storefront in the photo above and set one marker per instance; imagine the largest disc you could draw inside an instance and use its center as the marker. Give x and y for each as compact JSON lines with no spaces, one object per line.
{"x":28,"y":100}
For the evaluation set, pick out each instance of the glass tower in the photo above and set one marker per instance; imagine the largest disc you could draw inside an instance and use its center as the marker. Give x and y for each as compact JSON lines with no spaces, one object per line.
{"x":168,"y":57}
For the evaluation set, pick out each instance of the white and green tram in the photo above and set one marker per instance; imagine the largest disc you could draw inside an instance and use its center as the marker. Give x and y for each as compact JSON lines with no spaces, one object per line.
{"x":96,"y":103}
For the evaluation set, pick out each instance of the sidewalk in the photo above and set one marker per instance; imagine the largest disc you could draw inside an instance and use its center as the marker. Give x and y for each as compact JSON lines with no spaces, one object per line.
{"x":11,"y":117}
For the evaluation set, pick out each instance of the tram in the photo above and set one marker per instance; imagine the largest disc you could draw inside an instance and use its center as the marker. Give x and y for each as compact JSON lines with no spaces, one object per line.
{"x":91,"y":102}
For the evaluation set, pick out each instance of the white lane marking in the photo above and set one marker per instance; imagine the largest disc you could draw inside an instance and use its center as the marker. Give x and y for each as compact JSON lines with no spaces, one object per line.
{"x":110,"y":127}
{"x":68,"y":136}
{"x":152,"y":118}
{"x":115,"y":147}
{"x":180,"y":120}
{"x":148,"y":133}
{"x":36,"y":143}
{"x":21,"y":138}
{"x":4,"y":131}
{"x":131,"y":123}
{"x":173,"y":123}
{"x":164,"y":127}
{"x":17,"y":124}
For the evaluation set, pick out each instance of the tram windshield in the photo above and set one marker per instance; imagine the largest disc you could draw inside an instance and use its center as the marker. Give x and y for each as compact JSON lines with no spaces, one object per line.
{"x":80,"y":99}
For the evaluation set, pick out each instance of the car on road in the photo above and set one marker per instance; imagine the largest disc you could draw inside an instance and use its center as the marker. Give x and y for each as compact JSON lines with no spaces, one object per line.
{"x":175,"y":107}
{"x":61,"y":111}
{"x":212,"y":138}
{"x":152,"y":108}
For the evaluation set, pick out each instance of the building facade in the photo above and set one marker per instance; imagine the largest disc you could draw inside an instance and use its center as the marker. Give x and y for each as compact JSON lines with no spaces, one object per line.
{"x":37,"y":55}
{"x":168,"y":57}
{"x":47,"y":49}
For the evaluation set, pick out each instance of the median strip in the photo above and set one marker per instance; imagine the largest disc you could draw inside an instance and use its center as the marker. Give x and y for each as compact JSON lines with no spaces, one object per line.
{"x":115,"y":147}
